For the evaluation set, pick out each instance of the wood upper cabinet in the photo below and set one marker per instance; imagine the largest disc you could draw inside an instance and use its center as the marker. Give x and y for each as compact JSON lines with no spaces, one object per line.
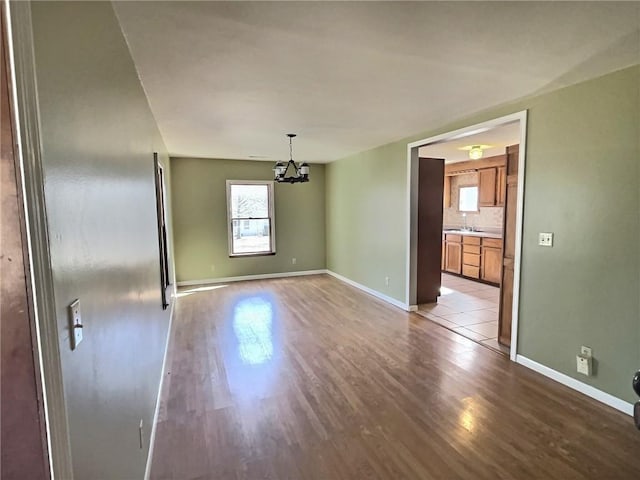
{"x":453,"y":254}
{"x":446,"y":194}
{"x":487,"y":181}
{"x":501,"y":186}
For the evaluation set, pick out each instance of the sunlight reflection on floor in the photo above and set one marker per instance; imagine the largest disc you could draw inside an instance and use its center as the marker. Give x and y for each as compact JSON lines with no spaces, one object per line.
{"x":186,"y":293}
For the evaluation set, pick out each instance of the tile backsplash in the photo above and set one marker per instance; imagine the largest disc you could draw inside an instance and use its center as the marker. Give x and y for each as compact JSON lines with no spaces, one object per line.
{"x":487,"y":218}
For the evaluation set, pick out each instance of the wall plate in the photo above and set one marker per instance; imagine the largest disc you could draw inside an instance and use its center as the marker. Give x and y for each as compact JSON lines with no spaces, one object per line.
{"x":584,"y":365}
{"x":75,"y":324}
{"x":545,"y":239}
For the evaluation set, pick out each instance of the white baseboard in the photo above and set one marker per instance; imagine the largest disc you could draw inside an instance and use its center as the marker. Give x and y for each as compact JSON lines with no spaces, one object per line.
{"x":152,"y":437}
{"x":262,"y":276}
{"x":588,"y":390}
{"x":375,"y":293}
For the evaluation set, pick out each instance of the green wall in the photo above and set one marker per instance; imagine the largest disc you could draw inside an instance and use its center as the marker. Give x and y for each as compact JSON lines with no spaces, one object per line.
{"x":200,"y":219}
{"x":582,"y":183}
{"x":98,"y":136}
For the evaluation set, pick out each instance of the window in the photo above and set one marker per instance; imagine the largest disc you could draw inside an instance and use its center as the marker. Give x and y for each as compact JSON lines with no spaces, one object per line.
{"x":251,"y":225}
{"x":468,"y":199}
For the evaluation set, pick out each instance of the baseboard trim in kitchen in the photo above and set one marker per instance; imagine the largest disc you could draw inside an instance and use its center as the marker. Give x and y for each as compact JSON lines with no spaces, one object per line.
{"x":242,"y":278}
{"x":588,"y":390}
{"x":375,"y":293}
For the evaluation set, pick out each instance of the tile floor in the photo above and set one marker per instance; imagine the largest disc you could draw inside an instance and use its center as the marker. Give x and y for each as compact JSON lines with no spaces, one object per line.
{"x":468,"y":308}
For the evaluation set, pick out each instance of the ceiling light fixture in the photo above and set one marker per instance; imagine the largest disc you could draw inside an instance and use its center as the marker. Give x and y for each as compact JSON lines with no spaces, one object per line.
{"x":475,"y":152}
{"x":280,"y":168}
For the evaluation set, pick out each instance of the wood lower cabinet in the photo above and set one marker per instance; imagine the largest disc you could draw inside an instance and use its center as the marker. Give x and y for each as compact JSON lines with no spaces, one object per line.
{"x":473,"y":256}
{"x":471,"y":271}
{"x":491,"y":264}
{"x":453,"y":254}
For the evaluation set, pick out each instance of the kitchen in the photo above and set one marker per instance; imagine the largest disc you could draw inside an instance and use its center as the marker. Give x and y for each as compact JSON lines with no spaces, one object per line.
{"x":476,"y":172}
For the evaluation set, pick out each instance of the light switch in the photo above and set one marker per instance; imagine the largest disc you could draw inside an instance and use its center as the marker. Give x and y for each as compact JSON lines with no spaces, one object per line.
{"x":545,"y":239}
{"x":75,"y":324}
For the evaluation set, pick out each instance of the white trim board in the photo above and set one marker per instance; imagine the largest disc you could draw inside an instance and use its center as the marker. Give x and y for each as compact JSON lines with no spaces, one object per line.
{"x":163,"y":373}
{"x":265,"y":276}
{"x":26,"y":115}
{"x":242,"y":278}
{"x":588,"y":390}
{"x":375,"y":293}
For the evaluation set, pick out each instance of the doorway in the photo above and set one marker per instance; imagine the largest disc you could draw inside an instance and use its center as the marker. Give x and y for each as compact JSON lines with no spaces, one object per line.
{"x":24,"y":430}
{"x":481,"y":194}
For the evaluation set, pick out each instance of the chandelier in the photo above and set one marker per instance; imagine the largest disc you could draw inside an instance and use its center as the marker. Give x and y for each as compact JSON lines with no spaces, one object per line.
{"x":301,"y":173}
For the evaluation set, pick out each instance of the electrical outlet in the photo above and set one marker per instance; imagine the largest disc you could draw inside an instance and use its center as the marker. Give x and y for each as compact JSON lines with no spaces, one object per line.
{"x":293,"y":261}
{"x":545,"y":239}
{"x":75,"y":324}
{"x":213,"y":267}
{"x":584,"y":364}
{"x":586,"y":351}
{"x":386,"y":281}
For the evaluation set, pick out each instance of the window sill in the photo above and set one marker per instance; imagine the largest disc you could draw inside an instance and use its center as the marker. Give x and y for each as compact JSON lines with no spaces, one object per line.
{"x":259,"y":254}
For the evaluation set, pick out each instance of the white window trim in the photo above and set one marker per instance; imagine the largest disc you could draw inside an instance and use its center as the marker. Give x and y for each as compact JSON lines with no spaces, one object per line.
{"x":272,"y":216}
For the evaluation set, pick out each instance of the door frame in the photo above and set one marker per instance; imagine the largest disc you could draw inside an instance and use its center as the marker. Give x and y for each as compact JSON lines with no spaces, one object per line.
{"x":26,"y":117}
{"x":412,"y":203}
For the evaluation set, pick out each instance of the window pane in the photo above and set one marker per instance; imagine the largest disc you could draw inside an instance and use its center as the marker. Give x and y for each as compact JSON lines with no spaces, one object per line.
{"x":468,"y":199}
{"x":249,"y":201}
{"x":250,"y":236}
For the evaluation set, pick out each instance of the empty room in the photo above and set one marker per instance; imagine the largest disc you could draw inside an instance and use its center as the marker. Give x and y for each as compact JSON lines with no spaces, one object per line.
{"x":320,"y":240}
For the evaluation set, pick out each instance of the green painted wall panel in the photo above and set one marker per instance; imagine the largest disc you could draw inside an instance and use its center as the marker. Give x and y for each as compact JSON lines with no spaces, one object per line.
{"x":582,"y":183}
{"x":98,"y":136}
{"x":200,"y":219}
{"x":366,"y":224}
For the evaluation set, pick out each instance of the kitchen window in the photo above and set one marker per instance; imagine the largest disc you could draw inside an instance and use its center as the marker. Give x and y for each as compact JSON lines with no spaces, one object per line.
{"x":468,"y":199}
{"x":251,"y":227}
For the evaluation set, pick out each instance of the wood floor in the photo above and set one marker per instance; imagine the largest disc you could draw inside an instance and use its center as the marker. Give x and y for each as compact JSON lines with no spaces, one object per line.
{"x":309,"y":378}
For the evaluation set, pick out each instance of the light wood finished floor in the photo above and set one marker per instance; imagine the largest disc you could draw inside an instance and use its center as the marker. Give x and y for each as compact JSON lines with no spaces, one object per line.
{"x":309,"y":378}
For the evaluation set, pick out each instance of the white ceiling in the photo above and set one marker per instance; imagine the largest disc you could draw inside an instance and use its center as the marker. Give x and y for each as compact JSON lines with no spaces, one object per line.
{"x":229,"y":79}
{"x":498,"y":139}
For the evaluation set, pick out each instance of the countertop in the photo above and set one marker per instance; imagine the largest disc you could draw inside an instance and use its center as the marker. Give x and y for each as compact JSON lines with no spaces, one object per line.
{"x":473,"y":234}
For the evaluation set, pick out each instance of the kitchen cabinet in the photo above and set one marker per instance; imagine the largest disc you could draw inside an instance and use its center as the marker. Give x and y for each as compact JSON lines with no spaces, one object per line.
{"x":446,"y":194}
{"x":473,"y":256}
{"x":487,"y":181}
{"x":491,"y":264}
{"x":501,"y":186}
{"x":453,"y":254}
